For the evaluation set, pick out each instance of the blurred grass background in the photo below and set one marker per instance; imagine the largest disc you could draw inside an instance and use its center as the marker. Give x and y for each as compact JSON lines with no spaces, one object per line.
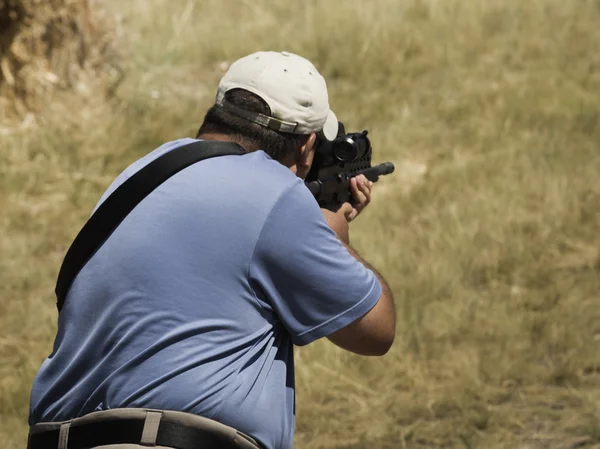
{"x":488,"y":231}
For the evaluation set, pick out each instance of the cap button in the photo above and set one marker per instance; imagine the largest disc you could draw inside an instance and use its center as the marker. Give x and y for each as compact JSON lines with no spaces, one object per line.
{"x":286,"y":53}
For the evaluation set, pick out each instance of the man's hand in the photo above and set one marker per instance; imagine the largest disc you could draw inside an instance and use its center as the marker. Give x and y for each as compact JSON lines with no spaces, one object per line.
{"x":339,"y":220}
{"x":360,"y":187}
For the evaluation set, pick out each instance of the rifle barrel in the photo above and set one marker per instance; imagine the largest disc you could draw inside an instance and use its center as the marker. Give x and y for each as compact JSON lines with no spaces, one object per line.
{"x":373,"y":173}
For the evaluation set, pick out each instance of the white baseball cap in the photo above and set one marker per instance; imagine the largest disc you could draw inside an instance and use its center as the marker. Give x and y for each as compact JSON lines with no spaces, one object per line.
{"x":292,"y":87}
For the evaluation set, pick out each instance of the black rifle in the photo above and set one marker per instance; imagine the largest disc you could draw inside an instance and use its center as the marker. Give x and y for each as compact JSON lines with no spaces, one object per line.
{"x":336,"y":162}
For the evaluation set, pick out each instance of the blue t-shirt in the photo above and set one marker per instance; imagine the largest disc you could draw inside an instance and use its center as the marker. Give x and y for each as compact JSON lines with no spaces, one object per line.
{"x":195,"y":301}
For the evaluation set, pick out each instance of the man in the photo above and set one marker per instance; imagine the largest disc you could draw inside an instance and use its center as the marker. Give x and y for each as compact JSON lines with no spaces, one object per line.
{"x":195,"y":301}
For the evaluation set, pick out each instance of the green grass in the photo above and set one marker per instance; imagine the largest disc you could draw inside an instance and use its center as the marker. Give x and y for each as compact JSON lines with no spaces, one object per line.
{"x":488,"y":232}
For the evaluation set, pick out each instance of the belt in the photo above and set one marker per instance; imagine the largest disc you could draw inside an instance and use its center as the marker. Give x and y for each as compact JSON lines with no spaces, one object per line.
{"x":129,"y":431}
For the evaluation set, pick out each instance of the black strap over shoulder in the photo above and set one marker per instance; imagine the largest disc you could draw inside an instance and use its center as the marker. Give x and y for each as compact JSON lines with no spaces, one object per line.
{"x":124,"y":199}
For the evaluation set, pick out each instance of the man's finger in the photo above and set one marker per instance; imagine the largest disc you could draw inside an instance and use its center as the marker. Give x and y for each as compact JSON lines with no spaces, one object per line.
{"x":354,"y":187}
{"x":359,"y":196}
{"x":352,"y":214}
{"x":365,"y":188}
{"x":345,"y":209}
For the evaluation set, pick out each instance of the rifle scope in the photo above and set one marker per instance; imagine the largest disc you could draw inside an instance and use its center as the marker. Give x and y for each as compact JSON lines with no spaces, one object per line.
{"x":350,"y":147}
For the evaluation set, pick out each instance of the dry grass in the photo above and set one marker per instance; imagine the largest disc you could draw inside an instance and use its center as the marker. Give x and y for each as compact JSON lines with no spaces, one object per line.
{"x":49,"y":45}
{"x":488,"y":232}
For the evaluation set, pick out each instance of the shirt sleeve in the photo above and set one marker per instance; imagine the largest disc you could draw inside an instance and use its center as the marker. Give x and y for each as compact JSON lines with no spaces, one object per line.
{"x":301,"y":270}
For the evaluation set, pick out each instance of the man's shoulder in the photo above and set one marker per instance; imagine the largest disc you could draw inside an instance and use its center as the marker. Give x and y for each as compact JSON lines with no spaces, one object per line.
{"x":248,"y":171}
{"x":155,"y":154}
{"x":254,"y":174}
{"x":140,"y":163}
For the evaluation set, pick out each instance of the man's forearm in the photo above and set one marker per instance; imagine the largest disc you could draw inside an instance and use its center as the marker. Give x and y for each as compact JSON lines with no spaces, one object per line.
{"x":387,"y":291}
{"x":339,"y":224}
{"x":374,"y":332}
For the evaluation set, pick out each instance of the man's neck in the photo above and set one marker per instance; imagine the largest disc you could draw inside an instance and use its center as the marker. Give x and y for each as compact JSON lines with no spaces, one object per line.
{"x":226,"y":138}
{"x":289,"y":162}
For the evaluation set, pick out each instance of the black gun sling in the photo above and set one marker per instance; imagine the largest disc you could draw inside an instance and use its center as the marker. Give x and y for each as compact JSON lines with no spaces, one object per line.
{"x":123,"y":200}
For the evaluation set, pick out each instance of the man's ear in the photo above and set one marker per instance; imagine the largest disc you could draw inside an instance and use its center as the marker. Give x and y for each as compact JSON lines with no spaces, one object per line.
{"x":306,"y":153}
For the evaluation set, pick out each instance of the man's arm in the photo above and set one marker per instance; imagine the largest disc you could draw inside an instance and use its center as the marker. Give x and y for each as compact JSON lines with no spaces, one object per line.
{"x":374,"y":332}
{"x":303,"y":273}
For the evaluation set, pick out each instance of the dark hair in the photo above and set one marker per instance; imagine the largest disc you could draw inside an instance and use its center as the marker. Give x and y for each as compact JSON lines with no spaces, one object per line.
{"x":276,"y":144}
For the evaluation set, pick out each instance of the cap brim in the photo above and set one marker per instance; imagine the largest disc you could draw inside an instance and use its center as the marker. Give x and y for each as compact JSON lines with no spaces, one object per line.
{"x":330,"y":129}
